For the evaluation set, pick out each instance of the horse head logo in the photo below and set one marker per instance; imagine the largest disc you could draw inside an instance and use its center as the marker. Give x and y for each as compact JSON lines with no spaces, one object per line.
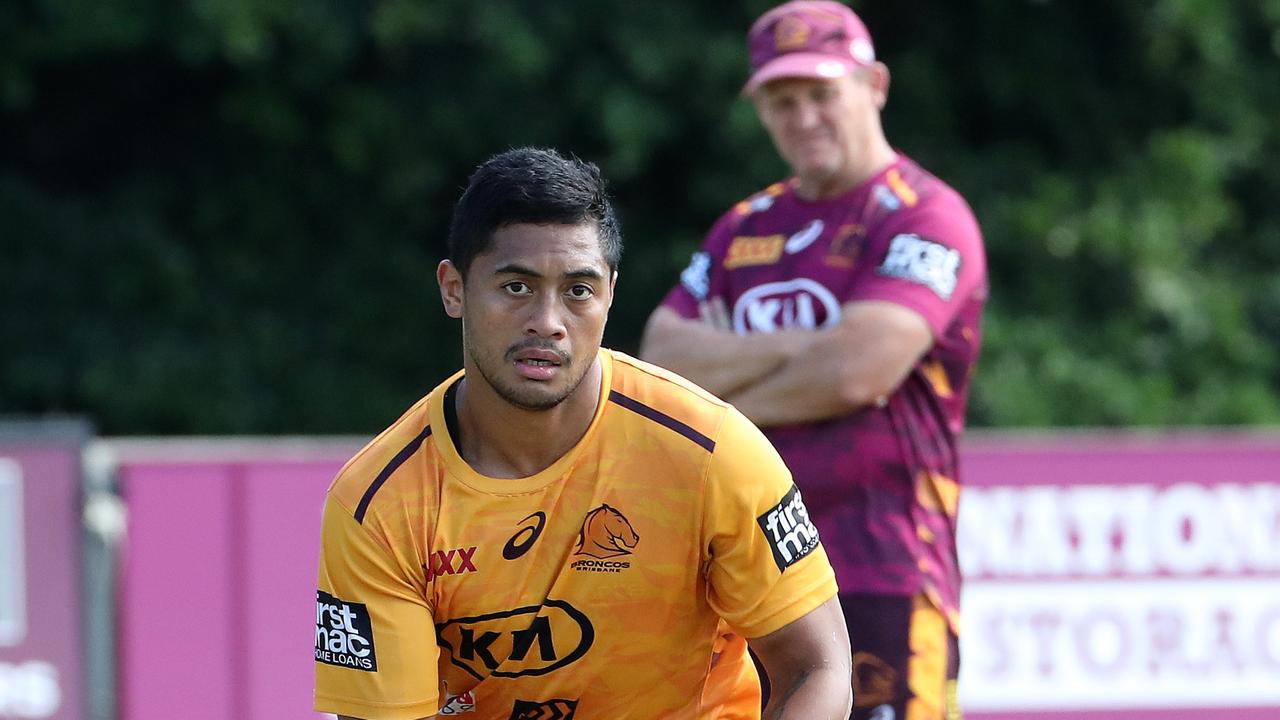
{"x":606,"y":533}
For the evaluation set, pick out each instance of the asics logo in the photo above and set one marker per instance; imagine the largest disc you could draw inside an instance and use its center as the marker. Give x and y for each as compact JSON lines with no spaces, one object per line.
{"x":525,"y":537}
{"x":804,"y":238}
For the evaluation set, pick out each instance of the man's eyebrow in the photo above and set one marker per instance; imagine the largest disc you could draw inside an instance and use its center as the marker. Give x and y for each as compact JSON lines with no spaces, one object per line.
{"x":588,"y":273}
{"x":515,"y":269}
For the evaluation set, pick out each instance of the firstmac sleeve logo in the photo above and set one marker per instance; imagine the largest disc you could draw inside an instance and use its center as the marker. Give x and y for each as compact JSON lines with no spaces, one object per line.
{"x":344,"y":633}
{"x":787,"y":527}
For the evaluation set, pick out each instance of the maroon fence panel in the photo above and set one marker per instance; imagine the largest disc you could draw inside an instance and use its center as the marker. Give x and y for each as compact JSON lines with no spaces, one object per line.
{"x":218,"y":580}
{"x":41,"y":643}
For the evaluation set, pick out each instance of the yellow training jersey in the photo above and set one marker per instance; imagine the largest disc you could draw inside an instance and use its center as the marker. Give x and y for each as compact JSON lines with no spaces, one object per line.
{"x":617,"y":583}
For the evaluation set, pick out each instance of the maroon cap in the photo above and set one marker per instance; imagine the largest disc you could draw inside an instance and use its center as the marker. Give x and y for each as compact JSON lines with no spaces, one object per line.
{"x":807,"y":39}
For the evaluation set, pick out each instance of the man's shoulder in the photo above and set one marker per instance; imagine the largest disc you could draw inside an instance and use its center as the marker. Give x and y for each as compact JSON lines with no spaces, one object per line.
{"x":762,"y":200}
{"x":766,"y":202}
{"x":908,"y":198}
{"x":667,"y":399}
{"x":921,"y":192}
{"x":382,"y":455}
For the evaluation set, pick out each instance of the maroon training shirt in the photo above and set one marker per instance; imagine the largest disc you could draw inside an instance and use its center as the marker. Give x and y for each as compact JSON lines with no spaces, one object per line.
{"x":882,"y":483}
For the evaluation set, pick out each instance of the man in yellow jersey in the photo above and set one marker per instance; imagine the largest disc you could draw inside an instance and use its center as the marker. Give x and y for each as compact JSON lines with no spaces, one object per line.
{"x":559,"y":530}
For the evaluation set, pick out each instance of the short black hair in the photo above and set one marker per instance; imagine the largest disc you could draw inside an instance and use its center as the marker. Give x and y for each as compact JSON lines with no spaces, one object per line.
{"x":536,"y":186}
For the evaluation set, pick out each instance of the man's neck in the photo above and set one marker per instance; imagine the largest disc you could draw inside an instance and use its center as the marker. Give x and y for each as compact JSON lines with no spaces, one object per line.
{"x":501,"y":440}
{"x":874,"y":159}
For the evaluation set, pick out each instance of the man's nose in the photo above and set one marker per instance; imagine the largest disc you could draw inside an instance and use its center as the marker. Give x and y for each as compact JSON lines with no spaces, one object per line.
{"x":546,"y":317}
{"x":806,"y":115}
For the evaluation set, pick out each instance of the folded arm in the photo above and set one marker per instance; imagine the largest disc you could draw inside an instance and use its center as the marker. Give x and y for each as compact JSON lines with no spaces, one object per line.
{"x":710,"y":354}
{"x":859,"y":362}
{"x":793,"y":376}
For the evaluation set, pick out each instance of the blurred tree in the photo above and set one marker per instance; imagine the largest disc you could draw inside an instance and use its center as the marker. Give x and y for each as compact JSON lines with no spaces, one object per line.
{"x":224,"y":216}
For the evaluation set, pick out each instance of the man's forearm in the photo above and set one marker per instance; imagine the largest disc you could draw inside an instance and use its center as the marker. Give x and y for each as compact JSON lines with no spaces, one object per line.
{"x":720,"y":361}
{"x":855,"y":364}
{"x":819,"y":693}
{"x":827,"y":381}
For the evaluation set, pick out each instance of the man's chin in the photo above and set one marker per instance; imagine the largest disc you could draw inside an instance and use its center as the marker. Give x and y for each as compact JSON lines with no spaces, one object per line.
{"x":534,"y":399}
{"x":818,"y":170}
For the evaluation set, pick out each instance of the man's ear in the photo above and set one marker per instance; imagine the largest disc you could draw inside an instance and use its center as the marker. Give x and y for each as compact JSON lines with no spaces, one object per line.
{"x":450,"y":281}
{"x":879,"y":75}
{"x":613,"y":285}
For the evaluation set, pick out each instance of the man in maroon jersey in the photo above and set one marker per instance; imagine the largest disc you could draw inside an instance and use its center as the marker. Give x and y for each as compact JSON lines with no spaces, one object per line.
{"x":839,"y":309}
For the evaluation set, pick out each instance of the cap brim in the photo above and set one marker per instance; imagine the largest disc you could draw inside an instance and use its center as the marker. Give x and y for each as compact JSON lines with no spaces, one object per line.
{"x":799,"y":65}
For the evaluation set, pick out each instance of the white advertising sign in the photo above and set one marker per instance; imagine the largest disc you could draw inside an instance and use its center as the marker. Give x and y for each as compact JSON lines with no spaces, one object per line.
{"x":1158,"y":595}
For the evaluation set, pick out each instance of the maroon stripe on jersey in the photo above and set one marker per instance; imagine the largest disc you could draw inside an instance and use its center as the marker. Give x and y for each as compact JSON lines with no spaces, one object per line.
{"x":662,"y":419}
{"x":391,"y":467}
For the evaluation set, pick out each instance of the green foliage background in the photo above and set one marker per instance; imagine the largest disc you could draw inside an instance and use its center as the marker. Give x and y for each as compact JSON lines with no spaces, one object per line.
{"x":223,"y":216}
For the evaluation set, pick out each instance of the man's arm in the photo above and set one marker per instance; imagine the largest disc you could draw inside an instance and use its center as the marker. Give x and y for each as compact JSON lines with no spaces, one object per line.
{"x":710,"y":354}
{"x":857,"y":363}
{"x":809,"y":666}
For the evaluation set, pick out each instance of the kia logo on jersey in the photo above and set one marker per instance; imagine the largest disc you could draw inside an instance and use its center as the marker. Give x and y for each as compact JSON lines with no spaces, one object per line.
{"x":792,"y":304}
{"x":526,"y":641}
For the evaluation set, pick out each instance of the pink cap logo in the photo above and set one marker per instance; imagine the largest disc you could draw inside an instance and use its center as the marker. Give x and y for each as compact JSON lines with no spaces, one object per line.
{"x":791,"y":33}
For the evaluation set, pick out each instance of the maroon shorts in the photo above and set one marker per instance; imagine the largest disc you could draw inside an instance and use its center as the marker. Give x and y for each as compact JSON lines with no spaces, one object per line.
{"x":905,"y":658}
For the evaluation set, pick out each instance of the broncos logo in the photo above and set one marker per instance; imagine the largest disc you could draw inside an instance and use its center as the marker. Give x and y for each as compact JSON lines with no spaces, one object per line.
{"x":606,"y":533}
{"x":874,"y":681}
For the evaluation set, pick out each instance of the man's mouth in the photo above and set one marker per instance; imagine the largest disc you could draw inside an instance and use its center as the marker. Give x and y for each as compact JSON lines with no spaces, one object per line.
{"x":538,"y":363}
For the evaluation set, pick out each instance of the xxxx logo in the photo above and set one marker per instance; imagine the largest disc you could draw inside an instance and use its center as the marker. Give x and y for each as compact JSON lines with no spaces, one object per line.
{"x":450,"y":562}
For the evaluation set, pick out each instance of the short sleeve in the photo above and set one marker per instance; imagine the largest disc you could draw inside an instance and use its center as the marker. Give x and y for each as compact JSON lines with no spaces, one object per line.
{"x":376,"y":649}
{"x":767,"y":567}
{"x":930,"y":260}
{"x":702,"y":277}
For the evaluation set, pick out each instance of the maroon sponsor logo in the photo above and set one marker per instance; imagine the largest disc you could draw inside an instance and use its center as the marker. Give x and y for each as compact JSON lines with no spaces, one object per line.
{"x":450,"y":562}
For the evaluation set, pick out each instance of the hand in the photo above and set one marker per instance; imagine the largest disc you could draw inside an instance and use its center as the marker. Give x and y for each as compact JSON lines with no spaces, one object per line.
{"x":713,"y":313}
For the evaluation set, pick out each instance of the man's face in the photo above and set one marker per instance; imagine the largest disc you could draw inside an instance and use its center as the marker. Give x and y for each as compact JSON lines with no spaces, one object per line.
{"x":533,"y":309}
{"x":822,"y":128}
